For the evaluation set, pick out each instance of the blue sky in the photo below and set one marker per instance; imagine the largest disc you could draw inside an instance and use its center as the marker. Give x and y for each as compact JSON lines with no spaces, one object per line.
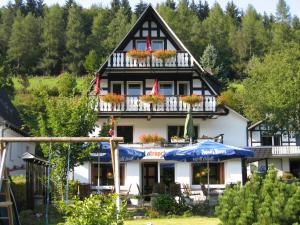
{"x":268,"y":6}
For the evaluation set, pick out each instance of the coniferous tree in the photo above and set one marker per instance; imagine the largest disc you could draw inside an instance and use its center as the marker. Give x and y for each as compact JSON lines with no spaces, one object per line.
{"x":139,"y":8}
{"x":194,"y":7}
{"x":127,"y":9}
{"x":203,"y":10}
{"x":75,"y":40}
{"x":91,"y":62}
{"x":233,"y":12}
{"x":24,"y":51}
{"x":283,"y":12}
{"x":53,"y":41}
{"x":209,"y":59}
{"x":171,"y":4}
{"x":30,"y":7}
{"x":115,"y":5}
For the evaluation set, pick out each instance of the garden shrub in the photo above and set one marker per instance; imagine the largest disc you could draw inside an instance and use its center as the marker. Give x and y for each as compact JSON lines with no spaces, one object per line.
{"x":151,"y":213}
{"x":94,"y":210}
{"x":201,"y":209}
{"x":66,"y":84}
{"x":166,"y":205}
{"x":18,"y":186}
{"x":262,"y":201}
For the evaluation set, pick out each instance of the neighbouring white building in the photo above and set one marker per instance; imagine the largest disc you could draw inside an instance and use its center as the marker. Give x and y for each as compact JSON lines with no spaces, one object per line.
{"x":12,"y":126}
{"x":179,"y":75}
{"x":280,"y":148}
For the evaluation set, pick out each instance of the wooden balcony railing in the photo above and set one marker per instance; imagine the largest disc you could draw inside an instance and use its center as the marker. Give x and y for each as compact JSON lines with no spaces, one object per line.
{"x":171,"y":104}
{"x":122,"y":60}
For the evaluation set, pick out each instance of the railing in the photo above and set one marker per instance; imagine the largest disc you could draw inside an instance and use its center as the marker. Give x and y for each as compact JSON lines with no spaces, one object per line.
{"x":171,"y":104}
{"x":122,"y":60}
{"x":286,"y":150}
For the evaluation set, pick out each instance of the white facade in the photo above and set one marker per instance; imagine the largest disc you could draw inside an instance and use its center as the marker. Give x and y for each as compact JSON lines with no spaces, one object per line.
{"x":15,"y":151}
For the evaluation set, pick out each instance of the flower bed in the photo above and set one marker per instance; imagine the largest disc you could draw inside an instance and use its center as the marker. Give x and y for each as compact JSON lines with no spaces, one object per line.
{"x":138,"y":54}
{"x":164,"y":54}
{"x":112,"y":98}
{"x":192,"y":99}
{"x":153,"y":98}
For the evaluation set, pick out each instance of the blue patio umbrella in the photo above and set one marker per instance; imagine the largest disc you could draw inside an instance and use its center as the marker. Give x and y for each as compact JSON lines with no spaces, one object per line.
{"x":125,"y":153}
{"x":207,"y":150}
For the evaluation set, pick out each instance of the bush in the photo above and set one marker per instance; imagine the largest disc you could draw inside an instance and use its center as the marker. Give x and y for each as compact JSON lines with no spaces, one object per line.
{"x":94,"y":210}
{"x":262,"y":201}
{"x":201,"y":209}
{"x":18,"y":186}
{"x":166,"y":205}
{"x":66,"y":85}
{"x":151,"y":213}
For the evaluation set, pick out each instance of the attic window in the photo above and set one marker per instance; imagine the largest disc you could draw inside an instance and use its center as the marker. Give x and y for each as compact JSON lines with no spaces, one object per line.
{"x":157,"y":44}
{"x":141,"y":45}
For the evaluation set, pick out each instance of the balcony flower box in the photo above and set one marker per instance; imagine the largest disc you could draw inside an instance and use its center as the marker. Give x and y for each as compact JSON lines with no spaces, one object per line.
{"x":164,"y":54}
{"x":151,"y":140}
{"x":192,"y":99}
{"x":176,"y":139}
{"x":155,"y":99}
{"x":138,"y":54}
{"x":112,"y":98}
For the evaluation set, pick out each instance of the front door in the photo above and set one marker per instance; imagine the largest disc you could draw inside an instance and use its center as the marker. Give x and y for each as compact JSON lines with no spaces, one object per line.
{"x":149,"y":177}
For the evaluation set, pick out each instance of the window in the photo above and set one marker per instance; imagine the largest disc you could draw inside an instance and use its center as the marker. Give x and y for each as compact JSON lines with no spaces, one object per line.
{"x":141,"y":45}
{"x":134,"y":89}
{"x":166,"y":88}
{"x":167,"y":173}
{"x":126,"y":132}
{"x":106,"y":174}
{"x":266,"y":140}
{"x":117,"y":88}
{"x":179,"y":131}
{"x":157,"y":44}
{"x":183,"y":89}
{"x":216,"y":173}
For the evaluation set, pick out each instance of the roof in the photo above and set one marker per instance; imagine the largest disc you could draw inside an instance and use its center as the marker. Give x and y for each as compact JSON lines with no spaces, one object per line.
{"x":9,"y":114}
{"x":32,"y":158}
{"x":208,"y":78}
{"x":260,"y":153}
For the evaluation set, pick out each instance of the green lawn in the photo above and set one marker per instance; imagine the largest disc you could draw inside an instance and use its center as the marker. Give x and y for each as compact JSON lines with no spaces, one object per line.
{"x":176,"y":221}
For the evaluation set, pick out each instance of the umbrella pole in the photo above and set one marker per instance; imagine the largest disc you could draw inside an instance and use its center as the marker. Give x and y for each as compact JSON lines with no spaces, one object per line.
{"x":98,"y":171}
{"x":208,"y":191}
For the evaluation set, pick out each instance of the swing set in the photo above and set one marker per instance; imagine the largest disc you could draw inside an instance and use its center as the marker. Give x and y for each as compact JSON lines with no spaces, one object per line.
{"x":8,"y":202}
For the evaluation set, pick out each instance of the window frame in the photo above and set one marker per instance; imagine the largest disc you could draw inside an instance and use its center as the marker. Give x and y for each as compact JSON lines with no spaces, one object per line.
{"x":161,"y":41}
{"x":184,"y":82}
{"x":166,"y":82}
{"x":134,"y":82}
{"x":122,"y":174}
{"x":117,"y":82}
{"x":140,"y":41}
{"x":220,"y":177}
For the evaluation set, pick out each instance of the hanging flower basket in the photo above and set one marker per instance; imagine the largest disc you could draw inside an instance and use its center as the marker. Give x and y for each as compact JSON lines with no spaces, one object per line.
{"x":151,"y":138}
{"x":164,"y":54}
{"x":153,"y":99}
{"x":138,"y":54}
{"x":192,"y":99}
{"x":112,"y":98}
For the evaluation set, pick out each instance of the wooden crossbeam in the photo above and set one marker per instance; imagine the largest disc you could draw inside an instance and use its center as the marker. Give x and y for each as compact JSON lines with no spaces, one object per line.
{"x":61,"y":139}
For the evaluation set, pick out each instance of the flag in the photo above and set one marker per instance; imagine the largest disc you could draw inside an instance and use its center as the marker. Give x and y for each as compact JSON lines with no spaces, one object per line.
{"x":97,"y":86}
{"x":155,"y":88}
{"x":148,"y":44}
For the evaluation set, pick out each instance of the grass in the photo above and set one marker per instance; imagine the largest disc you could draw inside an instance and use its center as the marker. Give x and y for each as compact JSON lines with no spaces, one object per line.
{"x":50,"y":81}
{"x":176,"y":221}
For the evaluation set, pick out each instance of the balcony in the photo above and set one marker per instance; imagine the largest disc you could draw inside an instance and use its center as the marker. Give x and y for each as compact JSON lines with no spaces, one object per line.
{"x":122,"y":60}
{"x":285,"y":150}
{"x":172,"y":104}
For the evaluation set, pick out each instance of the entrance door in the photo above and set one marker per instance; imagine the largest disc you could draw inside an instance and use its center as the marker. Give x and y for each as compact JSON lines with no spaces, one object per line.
{"x":149,"y":177}
{"x":295,"y":167}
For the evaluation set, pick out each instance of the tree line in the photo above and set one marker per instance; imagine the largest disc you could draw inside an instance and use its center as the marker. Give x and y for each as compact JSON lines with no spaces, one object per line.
{"x":39,"y":40}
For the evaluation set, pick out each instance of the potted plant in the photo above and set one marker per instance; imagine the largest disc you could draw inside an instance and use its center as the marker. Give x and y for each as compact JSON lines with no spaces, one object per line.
{"x":164,"y":54}
{"x":138,"y":54}
{"x":176,"y":139}
{"x":192,"y":99}
{"x":221,"y":100}
{"x":154,"y":99}
{"x":136,"y":200}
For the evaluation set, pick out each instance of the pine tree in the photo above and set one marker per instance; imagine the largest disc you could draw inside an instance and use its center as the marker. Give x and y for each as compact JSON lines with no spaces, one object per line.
{"x":139,"y":8}
{"x":30,"y":7}
{"x":194,"y":7}
{"x":75,"y":40}
{"x":127,"y":9}
{"x":24,"y":50}
{"x":53,"y":41}
{"x":115,"y":5}
{"x":91,"y":62}
{"x":97,"y":39}
{"x":171,"y":4}
{"x":233,"y":12}
{"x":283,"y":12}
{"x":203,"y":10}
{"x":209,"y":59}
